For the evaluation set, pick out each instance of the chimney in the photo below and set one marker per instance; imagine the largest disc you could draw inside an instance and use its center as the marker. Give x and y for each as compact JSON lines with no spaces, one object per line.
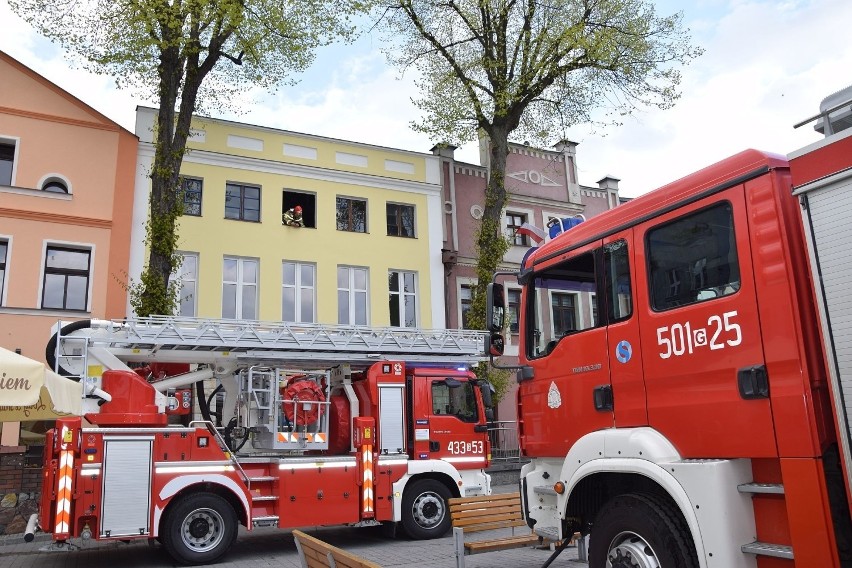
{"x":609,"y":184}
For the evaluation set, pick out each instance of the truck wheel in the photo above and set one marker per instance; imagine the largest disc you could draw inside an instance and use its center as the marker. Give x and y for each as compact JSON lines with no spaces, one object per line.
{"x":199,"y":529}
{"x":640,"y":531}
{"x":425,"y":512}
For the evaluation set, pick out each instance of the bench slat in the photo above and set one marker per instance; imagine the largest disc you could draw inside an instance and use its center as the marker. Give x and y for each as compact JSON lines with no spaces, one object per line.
{"x":501,"y":543}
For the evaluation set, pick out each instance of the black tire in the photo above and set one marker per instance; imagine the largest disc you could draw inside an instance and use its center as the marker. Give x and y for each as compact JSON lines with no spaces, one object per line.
{"x":640,"y":531}
{"x":199,"y":529}
{"x":426,"y":510}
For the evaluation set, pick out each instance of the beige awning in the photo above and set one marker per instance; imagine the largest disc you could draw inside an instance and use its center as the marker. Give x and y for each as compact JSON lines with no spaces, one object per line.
{"x":29,"y":391}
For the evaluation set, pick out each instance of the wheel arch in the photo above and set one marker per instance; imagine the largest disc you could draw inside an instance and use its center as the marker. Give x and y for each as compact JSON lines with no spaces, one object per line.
{"x":182,"y":487}
{"x":400,"y":486}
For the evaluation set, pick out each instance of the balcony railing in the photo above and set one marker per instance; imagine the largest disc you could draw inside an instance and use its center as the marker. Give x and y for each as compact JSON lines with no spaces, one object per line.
{"x":504,"y":441}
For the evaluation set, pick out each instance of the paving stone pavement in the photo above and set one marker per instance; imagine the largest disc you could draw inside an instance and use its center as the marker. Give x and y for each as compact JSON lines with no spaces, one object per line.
{"x":271,"y":547}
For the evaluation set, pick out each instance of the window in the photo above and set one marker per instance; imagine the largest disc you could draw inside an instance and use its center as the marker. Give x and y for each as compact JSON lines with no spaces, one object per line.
{"x":4,"y":250}
{"x":513,"y":223}
{"x":454,"y":398}
{"x":191,"y":190}
{"x":693,"y":259}
{"x":513,"y":309}
{"x":7,"y":161}
{"x":352,"y":295}
{"x":54,"y":185}
{"x":351,"y":215}
{"x":403,"y":298}
{"x":308,"y":203}
{"x":239,"y":288}
{"x":561,"y":286}
{"x":619,"y":297}
{"x":66,"y":278}
{"x":400,"y":220}
{"x":242,"y":202}
{"x":185,"y":275}
{"x":298,"y":298}
{"x":564,"y":313}
{"x":465,"y":302}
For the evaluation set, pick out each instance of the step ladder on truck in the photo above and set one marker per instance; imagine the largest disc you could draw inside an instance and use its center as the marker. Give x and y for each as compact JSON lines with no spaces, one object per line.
{"x":300,"y":425}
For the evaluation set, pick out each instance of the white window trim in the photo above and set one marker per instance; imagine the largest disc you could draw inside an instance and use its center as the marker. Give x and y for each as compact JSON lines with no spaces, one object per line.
{"x":4,"y":284}
{"x":351,"y":289}
{"x":54,"y":176}
{"x":459,"y":283}
{"x":195,"y":281}
{"x":297,"y":311}
{"x":16,"y":140}
{"x":504,"y":222}
{"x":401,"y":294}
{"x":592,"y":296}
{"x":238,"y":306}
{"x":69,"y":244}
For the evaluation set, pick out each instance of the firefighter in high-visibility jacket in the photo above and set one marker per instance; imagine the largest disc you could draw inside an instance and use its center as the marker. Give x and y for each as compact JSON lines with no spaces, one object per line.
{"x":293,"y":217}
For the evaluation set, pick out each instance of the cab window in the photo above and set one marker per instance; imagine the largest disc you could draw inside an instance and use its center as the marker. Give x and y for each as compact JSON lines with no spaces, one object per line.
{"x":693,"y":259}
{"x":454,"y":398}
{"x":560,"y":303}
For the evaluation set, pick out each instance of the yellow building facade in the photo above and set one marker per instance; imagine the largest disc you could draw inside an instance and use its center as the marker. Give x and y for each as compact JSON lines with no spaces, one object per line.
{"x":367,"y":250}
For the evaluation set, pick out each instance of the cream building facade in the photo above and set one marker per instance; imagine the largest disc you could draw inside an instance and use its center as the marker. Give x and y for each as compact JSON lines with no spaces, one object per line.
{"x":369,"y":250}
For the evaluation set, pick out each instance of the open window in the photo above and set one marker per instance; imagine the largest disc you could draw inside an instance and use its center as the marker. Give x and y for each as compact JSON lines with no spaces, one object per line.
{"x":308,"y":203}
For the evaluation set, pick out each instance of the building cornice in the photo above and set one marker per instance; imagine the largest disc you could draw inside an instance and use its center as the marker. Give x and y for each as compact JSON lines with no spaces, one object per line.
{"x":55,"y":218}
{"x":61,"y":119}
{"x":262,"y":165}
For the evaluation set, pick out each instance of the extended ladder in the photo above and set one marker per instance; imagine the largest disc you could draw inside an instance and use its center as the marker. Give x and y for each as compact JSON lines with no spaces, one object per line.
{"x":309,"y":346}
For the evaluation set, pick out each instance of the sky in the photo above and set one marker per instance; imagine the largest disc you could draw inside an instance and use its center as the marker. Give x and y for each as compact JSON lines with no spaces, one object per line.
{"x":767,"y":66}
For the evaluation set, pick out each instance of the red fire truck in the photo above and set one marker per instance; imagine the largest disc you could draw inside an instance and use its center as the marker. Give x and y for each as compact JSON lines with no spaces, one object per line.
{"x":685,"y":369}
{"x":301,"y":424}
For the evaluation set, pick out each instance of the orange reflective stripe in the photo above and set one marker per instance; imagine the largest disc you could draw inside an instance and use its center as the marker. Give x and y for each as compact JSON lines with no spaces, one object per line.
{"x":64,"y":492}
{"x":367,"y":501}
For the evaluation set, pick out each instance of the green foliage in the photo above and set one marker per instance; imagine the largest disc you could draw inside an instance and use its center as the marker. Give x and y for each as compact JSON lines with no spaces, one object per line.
{"x":186,"y":54}
{"x":530,"y":70}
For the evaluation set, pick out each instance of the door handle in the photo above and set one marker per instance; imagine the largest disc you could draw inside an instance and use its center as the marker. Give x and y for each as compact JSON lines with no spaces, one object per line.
{"x":603,"y":397}
{"x":753,"y":382}
{"x":480,"y":428}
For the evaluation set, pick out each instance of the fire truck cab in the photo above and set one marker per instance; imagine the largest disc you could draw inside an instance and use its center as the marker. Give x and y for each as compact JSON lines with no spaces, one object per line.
{"x":673,"y":393}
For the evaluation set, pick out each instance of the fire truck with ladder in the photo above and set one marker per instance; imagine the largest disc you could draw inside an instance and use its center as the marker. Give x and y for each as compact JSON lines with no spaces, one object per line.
{"x":300,"y":425}
{"x":697,"y":414}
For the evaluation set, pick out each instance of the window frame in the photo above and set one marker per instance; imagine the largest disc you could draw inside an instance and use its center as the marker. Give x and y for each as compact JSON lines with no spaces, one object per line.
{"x":518,"y":307}
{"x":5,"y":242}
{"x":402,"y":295}
{"x":350,"y":291}
{"x":511,"y":215}
{"x":183,"y":280}
{"x":200,"y":192}
{"x":15,"y":142}
{"x":67,"y":273}
{"x":242,"y":213}
{"x":307,"y":200}
{"x":733,"y":252}
{"x":398,"y":219}
{"x":239,"y":285}
{"x":350,"y":201}
{"x":297,"y":286}
{"x":461,"y":285}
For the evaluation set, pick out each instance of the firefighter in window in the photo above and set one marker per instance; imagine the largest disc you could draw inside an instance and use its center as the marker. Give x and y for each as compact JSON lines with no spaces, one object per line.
{"x":293,"y":217}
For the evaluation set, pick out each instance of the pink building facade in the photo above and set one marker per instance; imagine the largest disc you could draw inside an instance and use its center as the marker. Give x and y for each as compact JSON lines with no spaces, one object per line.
{"x":543,"y":186}
{"x":66,"y":186}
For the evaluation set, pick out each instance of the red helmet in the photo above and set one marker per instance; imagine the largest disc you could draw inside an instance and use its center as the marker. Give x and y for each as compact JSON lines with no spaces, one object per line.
{"x":297,"y":209}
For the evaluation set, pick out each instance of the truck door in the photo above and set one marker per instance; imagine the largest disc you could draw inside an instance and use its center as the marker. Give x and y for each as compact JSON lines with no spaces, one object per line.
{"x":446,"y":417}
{"x":625,"y":347}
{"x":566,"y":347}
{"x":704,"y":368}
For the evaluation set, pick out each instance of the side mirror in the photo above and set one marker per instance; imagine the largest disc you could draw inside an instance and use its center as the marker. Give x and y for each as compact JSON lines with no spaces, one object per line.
{"x":495,"y":308}
{"x":496,"y":344}
{"x":485,"y":390}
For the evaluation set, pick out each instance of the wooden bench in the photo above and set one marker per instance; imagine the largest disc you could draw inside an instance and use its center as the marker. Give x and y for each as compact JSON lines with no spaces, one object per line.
{"x":314,"y":553}
{"x":486,"y":513}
